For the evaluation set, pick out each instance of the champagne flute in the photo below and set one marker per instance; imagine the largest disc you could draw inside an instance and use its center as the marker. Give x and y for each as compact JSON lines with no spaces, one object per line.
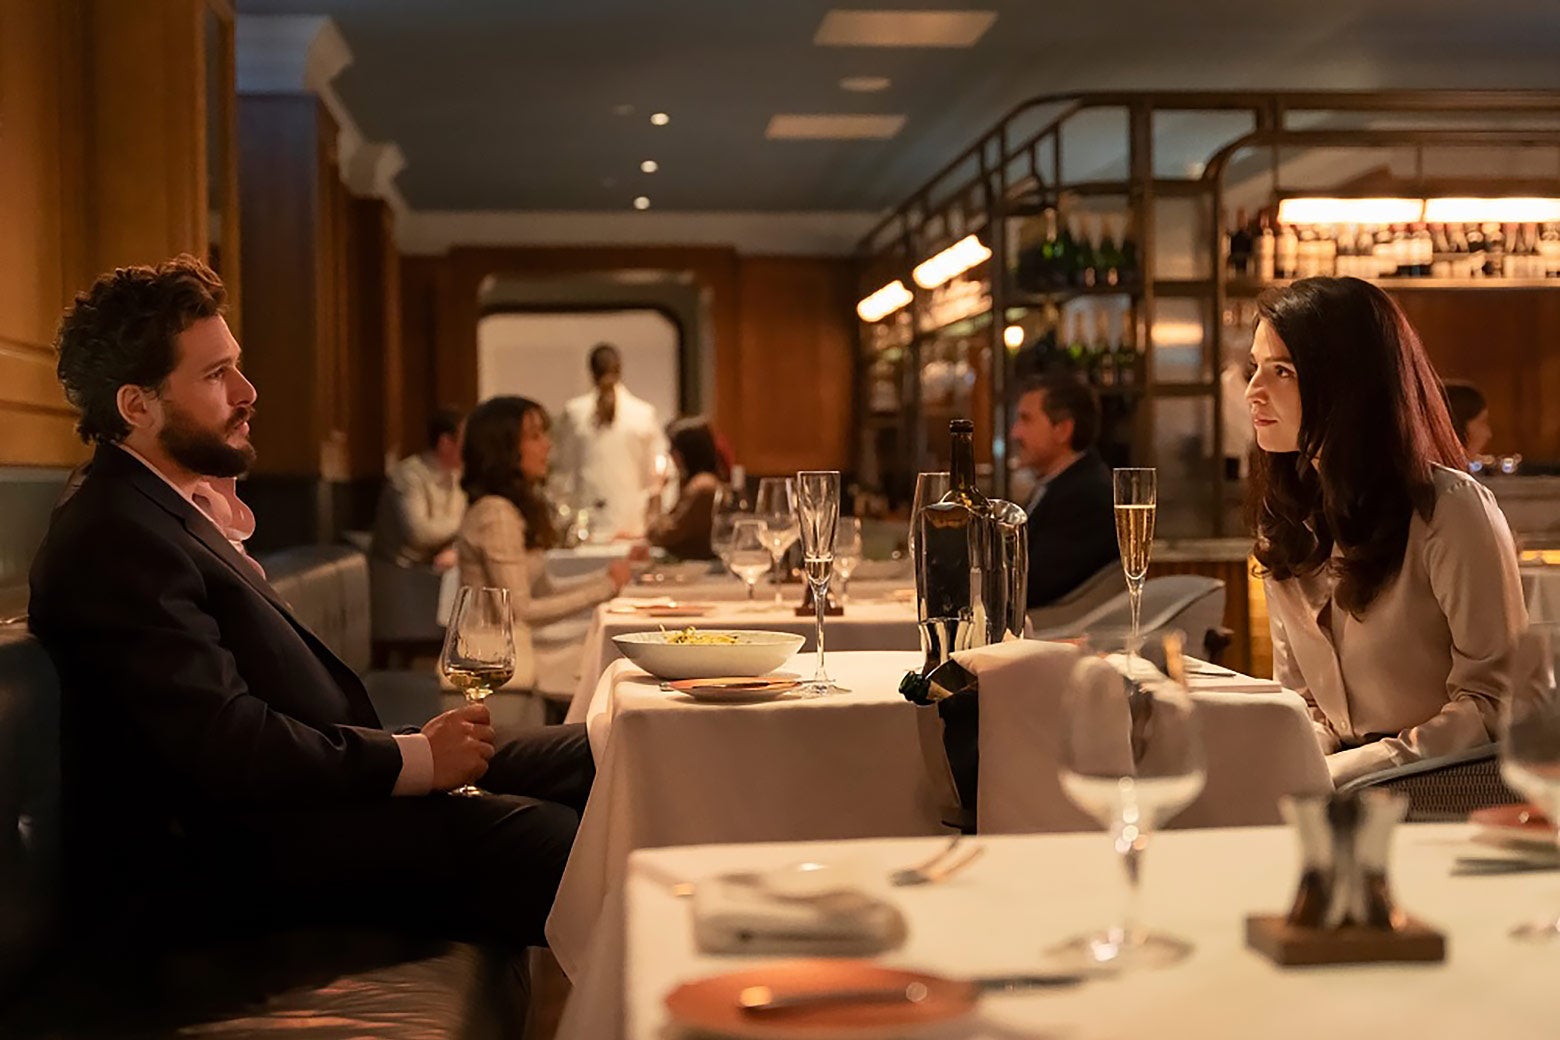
{"x":1530,"y":743}
{"x":1131,"y":757}
{"x":847,"y":553}
{"x":776,"y":506}
{"x":930,"y":487}
{"x":479,"y":648}
{"x":1137,"y":498}
{"x":818,"y":515}
{"x":749,"y":555}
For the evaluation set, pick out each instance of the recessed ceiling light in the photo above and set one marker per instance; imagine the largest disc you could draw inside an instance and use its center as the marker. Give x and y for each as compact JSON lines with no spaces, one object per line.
{"x":842,"y":28}
{"x":649,"y":166}
{"x":834,"y":127}
{"x":642,"y":202}
{"x":660,"y":119}
{"x":865,"y":84}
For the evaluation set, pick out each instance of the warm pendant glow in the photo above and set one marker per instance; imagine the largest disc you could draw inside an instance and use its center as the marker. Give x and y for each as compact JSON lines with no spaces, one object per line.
{"x":884,"y":302}
{"x":1013,"y":336}
{"x":1350,"y":211}
{"x":1492,"y":211}
{"x":955,"y":260}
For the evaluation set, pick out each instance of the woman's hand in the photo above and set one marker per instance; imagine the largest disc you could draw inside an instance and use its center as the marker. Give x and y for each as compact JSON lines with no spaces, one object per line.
{"x":620,"y":574}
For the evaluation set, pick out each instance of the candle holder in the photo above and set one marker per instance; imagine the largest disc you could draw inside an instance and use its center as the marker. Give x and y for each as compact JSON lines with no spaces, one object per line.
{"x":1343,"y":911}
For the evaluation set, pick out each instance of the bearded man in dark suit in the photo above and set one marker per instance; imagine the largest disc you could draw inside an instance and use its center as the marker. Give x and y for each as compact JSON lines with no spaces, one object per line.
{"x":217,"y":758}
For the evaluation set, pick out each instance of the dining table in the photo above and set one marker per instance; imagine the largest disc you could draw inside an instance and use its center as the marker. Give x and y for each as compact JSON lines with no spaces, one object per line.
{"x":875,"y":624}
{"x":673,"y":770}
{"x":1007,"y":911}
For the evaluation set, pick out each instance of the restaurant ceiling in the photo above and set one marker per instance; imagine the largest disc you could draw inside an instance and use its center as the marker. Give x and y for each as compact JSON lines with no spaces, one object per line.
{"x":504,"y":105}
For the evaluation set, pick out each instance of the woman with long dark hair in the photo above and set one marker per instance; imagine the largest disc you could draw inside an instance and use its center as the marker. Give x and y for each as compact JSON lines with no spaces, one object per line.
{"x":507,"y":529}
{"x":685,"y":531}
{"x":1390,"y":573}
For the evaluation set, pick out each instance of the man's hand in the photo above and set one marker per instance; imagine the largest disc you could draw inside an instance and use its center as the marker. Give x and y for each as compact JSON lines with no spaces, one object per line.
{"x":462,"y":743}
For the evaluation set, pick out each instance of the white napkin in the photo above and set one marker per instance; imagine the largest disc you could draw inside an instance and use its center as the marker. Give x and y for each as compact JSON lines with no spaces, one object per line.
{"x":741,"y":913}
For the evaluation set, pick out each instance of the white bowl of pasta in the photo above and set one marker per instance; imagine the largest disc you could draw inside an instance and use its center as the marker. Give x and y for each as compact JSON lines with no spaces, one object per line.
{"x":709,"y":653}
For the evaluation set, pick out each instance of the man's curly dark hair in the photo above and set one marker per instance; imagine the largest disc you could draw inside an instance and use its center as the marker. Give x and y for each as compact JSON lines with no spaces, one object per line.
{"x":121,"y":332}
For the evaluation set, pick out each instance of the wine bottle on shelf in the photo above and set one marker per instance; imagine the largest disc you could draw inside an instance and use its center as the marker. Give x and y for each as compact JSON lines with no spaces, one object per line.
{"x":1129,"y":255}
{"x":1549,"y":249}
{"x":1326,"y":252}
{"x":1512,"y":263}
{"x":1265,"y":249}
{"x":1494,"y":251}
{"x":1239,"y":247}
{"x":1108,"y":256}
{"x":1424,"y":251}
{"x":1102,"y":358}
{"x":1085,"y":262}
{"x":1288,"y":256}
{"x":1077,"y":350}
{"x":1050,"y":253}
{"x":1347,"y":262}
{"x":1066,"y":248}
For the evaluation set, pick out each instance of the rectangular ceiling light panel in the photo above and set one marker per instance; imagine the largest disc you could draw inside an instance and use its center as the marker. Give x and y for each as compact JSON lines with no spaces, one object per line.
{"x":833,"y":127}
{"x":844,"y":28}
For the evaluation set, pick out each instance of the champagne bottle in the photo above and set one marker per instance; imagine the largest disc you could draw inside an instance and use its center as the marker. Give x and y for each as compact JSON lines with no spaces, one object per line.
{"x":1085,"y":263}
{"x":1108,"y":256}
{"x":1266,"y":250}
{"x":1050,"y":253}
{"x":953,"y":536}
{"x":1240,"y":246}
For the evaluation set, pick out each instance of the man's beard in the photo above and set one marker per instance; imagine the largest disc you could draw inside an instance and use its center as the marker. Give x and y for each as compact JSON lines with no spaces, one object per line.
{"x":201,"y":451}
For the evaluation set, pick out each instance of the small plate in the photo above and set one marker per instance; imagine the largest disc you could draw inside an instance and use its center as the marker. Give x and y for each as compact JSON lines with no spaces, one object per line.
{"x":710,"y":1004}
{"x":1521,"y":825}
{"x":729,"y":689}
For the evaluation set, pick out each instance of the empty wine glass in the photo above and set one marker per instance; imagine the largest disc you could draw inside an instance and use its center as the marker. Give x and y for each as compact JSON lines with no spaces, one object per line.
{"x":776,"y":506}
{"x":1137,"y":499}
{"x":847,"y":553}
{"x":722,"y":527}
{"x":749,"y":555}
{"x":818,"y":515}
{"x":1131,"y":757}
{"x":479,"y":648}
{"x":1530,"y":743}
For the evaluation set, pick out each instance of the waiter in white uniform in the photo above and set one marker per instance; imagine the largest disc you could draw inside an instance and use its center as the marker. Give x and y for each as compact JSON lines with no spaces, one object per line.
{"x":609,"y":443}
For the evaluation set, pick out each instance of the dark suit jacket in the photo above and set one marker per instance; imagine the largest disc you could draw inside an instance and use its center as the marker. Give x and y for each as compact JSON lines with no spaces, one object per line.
{"x":1072,"y":532}
{"x":189,"y":690}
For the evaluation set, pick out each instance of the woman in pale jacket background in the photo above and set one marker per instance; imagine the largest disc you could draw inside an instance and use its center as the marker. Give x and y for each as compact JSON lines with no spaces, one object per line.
{"x":1391,"y":574}
{"x":505,"y":534}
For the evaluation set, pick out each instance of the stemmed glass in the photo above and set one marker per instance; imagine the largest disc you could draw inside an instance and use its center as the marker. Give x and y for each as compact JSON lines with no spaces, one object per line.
{"x":847,"y":553}
{"x":1530,"y":743}
{"x":1137,"y":498}
{"x":479,"y":648}
{"x":776,"y":506}
{"x":749,"y":555}
{"x":818,"y":515}
{"x":1131,"y":757}
{"x":930,"y":487}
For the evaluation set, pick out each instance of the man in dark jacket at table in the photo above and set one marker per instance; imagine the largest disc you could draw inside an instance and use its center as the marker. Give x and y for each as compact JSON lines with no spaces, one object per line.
{"x":218,"y":760}
{"x":1072,"y":525}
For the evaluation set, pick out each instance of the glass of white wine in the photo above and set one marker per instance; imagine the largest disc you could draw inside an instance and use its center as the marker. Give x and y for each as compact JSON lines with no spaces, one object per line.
{"x":479,"y":648}
{"x":748,"y":555}
{"x":847,"y":553}
{"x":1137,"y":499}
{"x":1530,"y":743}
{"x":818,"y":510}
{"x":1132,"y":758}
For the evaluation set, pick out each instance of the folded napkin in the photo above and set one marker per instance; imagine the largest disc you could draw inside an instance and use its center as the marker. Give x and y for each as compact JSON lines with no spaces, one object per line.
{"x":743,"y":913}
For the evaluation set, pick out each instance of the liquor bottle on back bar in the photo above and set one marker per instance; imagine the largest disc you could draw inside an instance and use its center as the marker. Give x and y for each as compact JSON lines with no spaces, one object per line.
{"x":952,"y":545}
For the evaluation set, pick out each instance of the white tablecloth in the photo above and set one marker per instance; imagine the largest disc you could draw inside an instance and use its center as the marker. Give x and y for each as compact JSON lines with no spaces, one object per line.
{"x":878,"y":625}
{"x":671,"y":770}
{"x":584,"y":559}
{"x":694,"y":583}
{"x":1028,"y":893}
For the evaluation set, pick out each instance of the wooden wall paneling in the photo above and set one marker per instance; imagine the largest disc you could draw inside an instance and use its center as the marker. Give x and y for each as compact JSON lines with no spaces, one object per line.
{"x":795,"y":359}
{"x":368,"y":362}
{"x":220,"y":125}
{"x":40,"y":103}
{"x":278,"y":155}
{"x":388,"y":305}
{"x":1237,"y":607}
{"x":1508,"y":342}
{"x":419,"y":301}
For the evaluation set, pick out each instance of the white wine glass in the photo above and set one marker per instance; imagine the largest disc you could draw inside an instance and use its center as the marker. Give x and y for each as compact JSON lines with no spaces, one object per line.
{"x":1132,"y":758}
{"x":930,"y":487}
{"x":479,"y":648}
{"x":818,"y":516}
{"x":749,"y":555}
{"x":1137,"y":500}
{"x":776,"y":506}
{"x":847,"y":553}
{"x":1530,"y":744}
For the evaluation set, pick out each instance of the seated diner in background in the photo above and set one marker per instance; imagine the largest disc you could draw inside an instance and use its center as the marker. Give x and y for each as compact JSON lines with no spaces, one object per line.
{"x":1470,"y":415}
{"x":685,"y":530}
{"x":422,"y":503}
{"x":1390,"y":573}
{"x":508,"y":529}
{"x":220,"y":765}
{"x":1072,"y":519}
